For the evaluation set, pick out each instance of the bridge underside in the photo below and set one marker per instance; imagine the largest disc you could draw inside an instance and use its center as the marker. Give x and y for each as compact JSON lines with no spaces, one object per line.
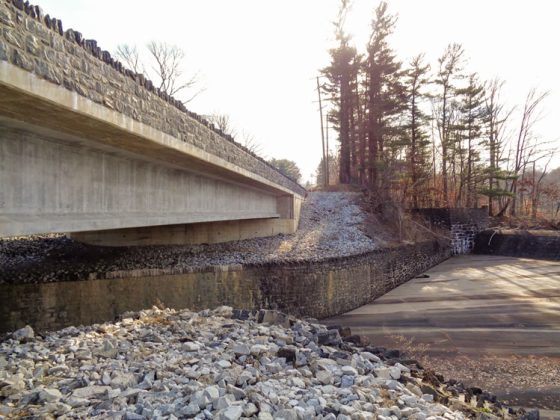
{"x":70,"y":165}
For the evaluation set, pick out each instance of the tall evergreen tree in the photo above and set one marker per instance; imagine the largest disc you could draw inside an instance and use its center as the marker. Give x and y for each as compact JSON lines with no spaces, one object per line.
{"x":450,"y":66}
{"x":472,"y":118}
{"x":385,"y":92}
{"x":341,"y":74}
{"x":416,"y":138}
{"x":378,"y":112}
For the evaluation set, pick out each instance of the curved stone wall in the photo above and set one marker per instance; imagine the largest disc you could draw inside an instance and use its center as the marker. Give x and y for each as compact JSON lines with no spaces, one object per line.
{"x":540,"y":244}
{"x":317,"y":289}
{"x":38,"y":44}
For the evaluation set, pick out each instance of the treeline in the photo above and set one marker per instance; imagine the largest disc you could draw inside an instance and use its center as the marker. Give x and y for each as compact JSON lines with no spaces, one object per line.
{"x":428,"y":136}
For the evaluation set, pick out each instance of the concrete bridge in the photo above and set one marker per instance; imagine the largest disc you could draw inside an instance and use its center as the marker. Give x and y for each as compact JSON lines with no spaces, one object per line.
{"x":89,"y":148}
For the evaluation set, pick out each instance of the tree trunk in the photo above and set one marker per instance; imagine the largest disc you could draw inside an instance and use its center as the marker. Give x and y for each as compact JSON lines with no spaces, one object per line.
{"x":444,"y":136}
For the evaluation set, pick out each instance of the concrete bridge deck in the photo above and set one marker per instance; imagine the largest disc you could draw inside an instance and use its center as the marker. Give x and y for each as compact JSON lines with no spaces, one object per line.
{"x":89,"y":147}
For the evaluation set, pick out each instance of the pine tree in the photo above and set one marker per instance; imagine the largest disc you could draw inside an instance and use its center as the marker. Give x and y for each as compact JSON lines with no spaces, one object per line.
{"x":472,"y":116}
{"x":450,"y":66}
{"x":416,"y":138}
{"x":341,"y":74}
{"x":385,"y":93}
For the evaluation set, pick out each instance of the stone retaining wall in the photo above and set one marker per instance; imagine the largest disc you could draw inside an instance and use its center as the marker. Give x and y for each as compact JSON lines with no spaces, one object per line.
{"x":462,"y":237}
{"x":540,"y":244}
{"x":318,"y":289}
{"x":38,"y":44}
{"x":461,"y":223}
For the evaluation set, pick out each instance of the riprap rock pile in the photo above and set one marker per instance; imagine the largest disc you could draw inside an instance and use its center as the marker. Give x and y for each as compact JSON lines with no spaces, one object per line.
{"x":220,"y":364}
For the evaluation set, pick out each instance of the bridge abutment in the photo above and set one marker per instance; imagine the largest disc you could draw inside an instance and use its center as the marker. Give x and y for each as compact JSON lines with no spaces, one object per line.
{"x":198,"y":233}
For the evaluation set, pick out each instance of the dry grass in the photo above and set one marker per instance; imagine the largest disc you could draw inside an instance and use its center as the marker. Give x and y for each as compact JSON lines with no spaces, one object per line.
{"x":156,"y":320}
{"x":518,"y":380}
{"x":390,"y":224}
{"x":337,"y":188}
{"x":524,"y":223}
{"x":418,"y":351}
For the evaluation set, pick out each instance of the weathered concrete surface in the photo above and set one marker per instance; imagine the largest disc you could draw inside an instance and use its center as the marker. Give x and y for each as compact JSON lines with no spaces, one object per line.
{"x":490,"y":321}
{"x":471,"y":305}
{"x":88,"y":145}
{"x":187,"y":234}
{"x":55,"y":187}
{"x":71,"y":165}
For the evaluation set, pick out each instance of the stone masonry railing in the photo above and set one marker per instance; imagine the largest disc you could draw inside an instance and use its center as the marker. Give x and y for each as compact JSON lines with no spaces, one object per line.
{"x":37,"y":43}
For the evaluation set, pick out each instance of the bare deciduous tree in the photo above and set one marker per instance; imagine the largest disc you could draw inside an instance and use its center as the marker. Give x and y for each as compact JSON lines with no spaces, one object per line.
{"x":248,"y":141}
{"x":129,"y":55}
{"x":536,"y":186}
{"x":169,"y":59}
{"x":497,"y":116}
{"x":223,"y":123}
{"x":525,"y":146}
{"x":167,"y":68}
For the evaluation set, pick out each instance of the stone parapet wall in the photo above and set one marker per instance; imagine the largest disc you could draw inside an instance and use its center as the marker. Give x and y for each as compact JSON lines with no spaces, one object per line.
{"x":319,"y":289}
{"x":540,"y":244}
{"x":38,"y":44}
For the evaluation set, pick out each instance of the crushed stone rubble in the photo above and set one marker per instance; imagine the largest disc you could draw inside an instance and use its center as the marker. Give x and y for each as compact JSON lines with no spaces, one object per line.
{"x":223,"y":364}
{"x":330,"y":226}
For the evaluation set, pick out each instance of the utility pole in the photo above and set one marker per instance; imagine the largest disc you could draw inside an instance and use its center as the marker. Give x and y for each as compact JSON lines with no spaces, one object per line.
{"x":327,"y":144}
{"x":325,"y":168}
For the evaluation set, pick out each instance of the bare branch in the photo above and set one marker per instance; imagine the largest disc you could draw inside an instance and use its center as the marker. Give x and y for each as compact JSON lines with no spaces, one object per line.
{"x":249,"y":142}
{"x":168,"y":62}
{"x":223,"y":123}
{"x":129,"y":55}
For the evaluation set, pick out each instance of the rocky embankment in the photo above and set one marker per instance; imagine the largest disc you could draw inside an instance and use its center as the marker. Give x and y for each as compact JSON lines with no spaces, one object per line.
{"x":222,"y":364}
{"x":330,"y":226}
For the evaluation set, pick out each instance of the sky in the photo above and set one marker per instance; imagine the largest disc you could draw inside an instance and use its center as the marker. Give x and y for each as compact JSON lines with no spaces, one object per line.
{"x":258,"y":59}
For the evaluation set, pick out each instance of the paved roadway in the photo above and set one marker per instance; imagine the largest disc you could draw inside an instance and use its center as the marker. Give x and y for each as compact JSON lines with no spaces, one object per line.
{"x":471,"y":304}
{"x":472,"y":308}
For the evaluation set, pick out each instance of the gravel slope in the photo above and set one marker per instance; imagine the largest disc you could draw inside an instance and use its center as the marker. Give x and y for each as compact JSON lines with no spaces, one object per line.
{"x":330,"y":226}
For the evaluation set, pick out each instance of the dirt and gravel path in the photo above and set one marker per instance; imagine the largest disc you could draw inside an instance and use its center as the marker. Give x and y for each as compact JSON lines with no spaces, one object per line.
{"x":528,"y":381}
